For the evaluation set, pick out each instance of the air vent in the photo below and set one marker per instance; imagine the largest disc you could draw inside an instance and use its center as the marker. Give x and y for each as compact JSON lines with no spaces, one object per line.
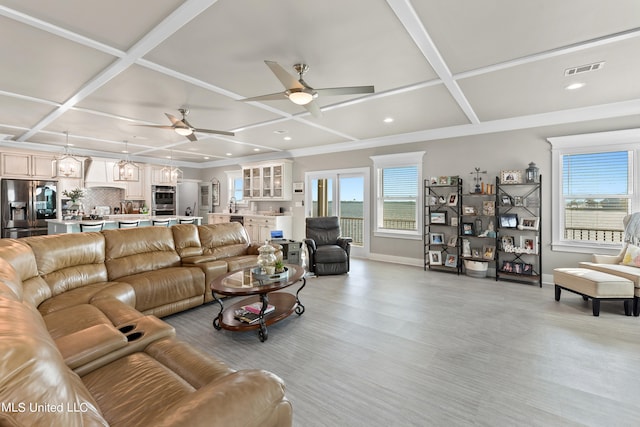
{"x":583,"y":69}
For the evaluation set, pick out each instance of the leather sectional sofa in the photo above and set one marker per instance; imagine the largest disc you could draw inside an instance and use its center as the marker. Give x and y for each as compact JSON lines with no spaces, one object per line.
{"x":81,"y":342}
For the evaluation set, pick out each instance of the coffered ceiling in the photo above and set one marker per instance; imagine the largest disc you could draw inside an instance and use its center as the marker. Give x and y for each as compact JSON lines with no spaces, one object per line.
{"x":440,"y":69}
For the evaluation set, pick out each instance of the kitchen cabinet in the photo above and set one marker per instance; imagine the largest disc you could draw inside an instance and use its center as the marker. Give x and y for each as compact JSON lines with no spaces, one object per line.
{"x":218,"y":218}
{"x":259,"y":227}
{"x":135,"y":190}
{"x":267,"y":181}
{"x":22,"y":165}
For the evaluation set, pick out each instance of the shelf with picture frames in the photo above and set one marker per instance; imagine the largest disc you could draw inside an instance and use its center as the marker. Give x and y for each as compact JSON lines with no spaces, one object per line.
{"x":442,"y":197}
{"x":518,"y":207}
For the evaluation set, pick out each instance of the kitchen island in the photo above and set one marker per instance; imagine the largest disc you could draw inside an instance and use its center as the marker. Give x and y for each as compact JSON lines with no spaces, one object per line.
{"x":62,"y":226}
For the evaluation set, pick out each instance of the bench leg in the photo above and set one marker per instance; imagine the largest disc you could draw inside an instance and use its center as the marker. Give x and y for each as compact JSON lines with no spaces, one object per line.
{"x":596,"y":306}
{"x":627,"y":307}
{"x":636,"y":307}
{"x":558,"y":290}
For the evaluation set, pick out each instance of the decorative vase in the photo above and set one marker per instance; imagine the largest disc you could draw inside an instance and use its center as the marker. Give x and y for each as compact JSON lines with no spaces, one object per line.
{"x":267,"y":258}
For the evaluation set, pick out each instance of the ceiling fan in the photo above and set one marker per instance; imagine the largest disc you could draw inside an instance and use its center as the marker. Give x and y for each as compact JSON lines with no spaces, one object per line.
{"x":184,"y":128}
{"x":300,"y":93}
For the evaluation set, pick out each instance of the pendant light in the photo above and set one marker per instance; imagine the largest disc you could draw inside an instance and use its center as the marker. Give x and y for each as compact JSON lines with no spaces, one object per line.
{"x":170,"y":174}
{"x":66,"y":166}
{"x":126,"y":170}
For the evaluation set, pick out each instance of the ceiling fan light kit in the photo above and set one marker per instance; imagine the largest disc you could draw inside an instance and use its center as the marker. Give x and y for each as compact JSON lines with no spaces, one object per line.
{"x":301,"y":97}
{"x":184,"y":128}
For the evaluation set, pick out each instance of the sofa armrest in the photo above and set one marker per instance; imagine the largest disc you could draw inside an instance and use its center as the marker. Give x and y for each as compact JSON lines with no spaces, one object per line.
{"x":243,"y":398}
{"x":311,"y":244}
{"x":610,"y":259}
{"x":84,"y":346}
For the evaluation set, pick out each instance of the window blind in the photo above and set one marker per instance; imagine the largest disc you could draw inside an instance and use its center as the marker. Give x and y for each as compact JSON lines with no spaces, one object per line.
{"x":596,"y":174}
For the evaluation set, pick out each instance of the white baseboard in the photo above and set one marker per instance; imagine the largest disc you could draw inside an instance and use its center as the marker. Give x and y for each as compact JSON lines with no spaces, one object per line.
{"x":416,"y":262}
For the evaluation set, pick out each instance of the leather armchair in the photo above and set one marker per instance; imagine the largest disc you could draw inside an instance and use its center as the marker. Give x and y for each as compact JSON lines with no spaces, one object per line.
{"x":328,"y":251}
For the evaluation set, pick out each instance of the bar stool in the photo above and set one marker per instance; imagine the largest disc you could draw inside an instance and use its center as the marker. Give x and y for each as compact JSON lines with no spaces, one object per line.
{"x":128,"y":224}
{"x":186,"y":221}
{"x":91,"y":226}
{"x":160,"y":222}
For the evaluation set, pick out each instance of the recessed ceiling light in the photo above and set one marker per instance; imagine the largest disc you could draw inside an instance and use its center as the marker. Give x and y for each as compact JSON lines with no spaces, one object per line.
{"x":229,"y":154}
{"x":388,"y":120}
{"x":256,"y":149}
{"x":125,"y":151}
{"x":574,"y":86}
{"x":206,"y":157}
{"x":287,"y":138}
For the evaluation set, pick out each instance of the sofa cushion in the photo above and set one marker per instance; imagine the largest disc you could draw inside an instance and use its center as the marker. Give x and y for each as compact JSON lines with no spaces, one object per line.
{"x":224,"y":240}
{"x":186,"y":240}
{"x":626,"y":271}
{"x":20,"y":256}
{"x":73,"y":319}
{"x":631,"y":256}
{"x":33,"y":372}
{"x":138,"y":250}
{"x":86,"y":294}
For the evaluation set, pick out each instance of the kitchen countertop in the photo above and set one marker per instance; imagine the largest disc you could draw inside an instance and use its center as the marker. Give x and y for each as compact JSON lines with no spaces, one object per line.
{"x":116,"y":218}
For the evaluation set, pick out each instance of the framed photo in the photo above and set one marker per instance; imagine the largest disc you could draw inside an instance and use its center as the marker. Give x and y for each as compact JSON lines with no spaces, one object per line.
{"x":453,"y":241}
{"x":530,"y":223}
{"x":215,"y":193}
{"x":443,"y":180}
{"x":489,"y":207}
{"x":433,"y":180}
{"x":518,"y":201}
{"x":453,"y":180}
{"x":451,"y":260}
{"x":510,"y":177}
{"x":453,"y":199}
{"x":454,"y":221}
{"x":488,"y":252}
{"x":468,"y":210}
{"x":517,"y":267}
{"x":467,"y":229}
{"x":438,"y":217}
{"x":505,"y":200}
{"x":507,"y":242}
{"x":527,"y":269}
{"x":508,"y":220}
{"x":436,"y":238}
{"x":435,"y":257}
{"x":475,"y":253}
{"x":529,"y":244}
{"x":433,"y":201}
{"x":507,"y":266}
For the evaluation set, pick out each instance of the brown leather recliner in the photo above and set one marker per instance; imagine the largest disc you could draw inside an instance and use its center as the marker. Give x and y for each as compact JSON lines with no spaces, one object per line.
{"x":328,"y":251}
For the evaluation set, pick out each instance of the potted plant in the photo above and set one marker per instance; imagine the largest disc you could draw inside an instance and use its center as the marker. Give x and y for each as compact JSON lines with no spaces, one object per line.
{"x":279,"y":266}
{"x":75,"y":195}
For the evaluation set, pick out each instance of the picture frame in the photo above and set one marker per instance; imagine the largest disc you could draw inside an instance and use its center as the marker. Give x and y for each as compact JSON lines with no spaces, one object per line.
{"x":438,"y":217}
{"x":507,"y":267}
{"x":215,"y":193}
{"x":527,"y":269}
{"x":517,"y":267}
{"x":443,"y":180}
{"x":530,"y":223}
{"x":505,"y":200}
{"x":453,"y":180}
{"x":506,"y":242}
{"x":488,"y":252}
{"x":453,"y":199}
{"x":435,"y":257}
{"x":454,"y":221}
{"x":529,"y":244}
{"x":453,"y":241}
{"x":451,"y":260}
{"x":508,"y":220}
{"x":433,"y":180}
{"x":436,"y":238}
{"x":467,"y":229}
{"x":489,"y":207}
{"x":468,"y":210}
{"x":510,"y":177}
{"x":475,"y":253}
{"x":518,"y":201}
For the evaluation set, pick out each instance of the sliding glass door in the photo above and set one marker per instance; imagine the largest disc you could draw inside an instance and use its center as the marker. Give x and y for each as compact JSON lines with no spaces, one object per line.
{"x":345,"y":194}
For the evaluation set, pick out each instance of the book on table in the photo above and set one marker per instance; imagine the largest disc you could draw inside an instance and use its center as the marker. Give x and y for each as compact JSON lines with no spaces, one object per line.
{"x":251,"y":313}
{"x":256,"y":307}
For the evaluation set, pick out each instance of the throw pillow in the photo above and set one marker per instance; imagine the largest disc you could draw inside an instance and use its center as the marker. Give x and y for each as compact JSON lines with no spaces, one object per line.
{"x":631,"y":256}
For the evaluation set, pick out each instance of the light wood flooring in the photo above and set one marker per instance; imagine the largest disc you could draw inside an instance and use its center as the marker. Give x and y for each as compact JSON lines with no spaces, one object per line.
{"x":393,"y":345}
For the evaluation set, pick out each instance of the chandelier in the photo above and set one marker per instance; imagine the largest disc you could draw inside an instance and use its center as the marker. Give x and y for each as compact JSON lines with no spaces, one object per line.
{"x":66,"y":166}
{"x":126,"y":170}
{"x":170,"y":174}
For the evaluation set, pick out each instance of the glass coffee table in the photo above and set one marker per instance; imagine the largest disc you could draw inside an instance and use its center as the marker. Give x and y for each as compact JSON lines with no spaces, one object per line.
{"x":261,"y":291}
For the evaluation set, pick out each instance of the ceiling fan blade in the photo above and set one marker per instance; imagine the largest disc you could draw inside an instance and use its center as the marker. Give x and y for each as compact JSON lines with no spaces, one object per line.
{"x":191,"y":137}
{"x":174,"y":120}
{"x":271,"y":97}
{"x":157,"y":126}
{"x":345,"y":90}
{"x":287,"y":80}
{"x":217,"y":132}
{"x":313,"y":108}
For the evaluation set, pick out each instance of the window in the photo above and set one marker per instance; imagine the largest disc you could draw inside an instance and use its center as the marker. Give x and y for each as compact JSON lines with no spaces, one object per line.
{"x":592,"y":189}
{"x":234,"y":182}
{"x":398,"y":200}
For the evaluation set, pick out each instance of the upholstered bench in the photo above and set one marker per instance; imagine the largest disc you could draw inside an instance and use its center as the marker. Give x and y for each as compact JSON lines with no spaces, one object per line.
{"x":595,"y":285}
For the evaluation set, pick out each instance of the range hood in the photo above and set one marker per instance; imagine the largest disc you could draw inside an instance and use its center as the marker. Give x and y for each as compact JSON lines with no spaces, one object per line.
{"x":96,"y":174}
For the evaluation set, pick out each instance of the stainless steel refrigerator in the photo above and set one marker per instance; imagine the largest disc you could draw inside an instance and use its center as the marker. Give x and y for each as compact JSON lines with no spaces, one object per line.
{"x":26,"y":205}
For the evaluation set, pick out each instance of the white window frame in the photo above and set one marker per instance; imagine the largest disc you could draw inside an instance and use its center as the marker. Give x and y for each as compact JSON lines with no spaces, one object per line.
{"x":394,"y":161}
{"x":624,"y":140}
{"x":231,"y":176}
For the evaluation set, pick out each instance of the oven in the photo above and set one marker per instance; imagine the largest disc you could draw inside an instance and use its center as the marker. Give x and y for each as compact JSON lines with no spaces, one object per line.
{"x":163,"y":200}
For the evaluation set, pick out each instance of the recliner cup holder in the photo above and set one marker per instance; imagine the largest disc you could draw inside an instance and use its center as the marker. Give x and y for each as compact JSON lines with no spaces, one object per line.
{"x":134,"y":336}
{"x":127,"y":328}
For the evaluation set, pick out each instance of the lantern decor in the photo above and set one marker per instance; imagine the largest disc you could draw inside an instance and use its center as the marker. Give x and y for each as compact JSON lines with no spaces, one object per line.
{"x":531,"y":173}
{"x":170,"y":174}
{"x":126,"y":170}
{"x":267,"y":258}
{"x":66,"y":166}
